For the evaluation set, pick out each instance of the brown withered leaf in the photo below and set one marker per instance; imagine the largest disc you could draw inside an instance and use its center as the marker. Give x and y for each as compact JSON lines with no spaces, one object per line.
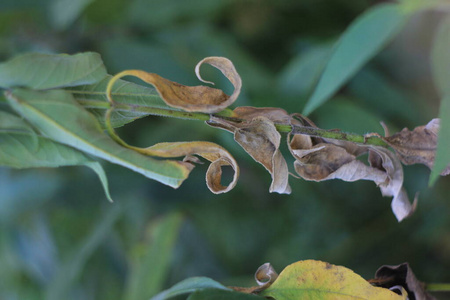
{"x":260,"y":138}
{"x":328,"y":161}
{"x":217,"y":155}
{"x":191,"y":98}
{"x":401,"y":275}
{"x":264,"y":277}
{"x":274,"y":114}
{"x":324,"y":159}
{"x":417,"y":146}
{"x":383,"y":159}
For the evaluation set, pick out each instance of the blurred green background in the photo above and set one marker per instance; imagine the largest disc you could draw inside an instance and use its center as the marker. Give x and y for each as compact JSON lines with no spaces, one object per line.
{"x":61,"y":239}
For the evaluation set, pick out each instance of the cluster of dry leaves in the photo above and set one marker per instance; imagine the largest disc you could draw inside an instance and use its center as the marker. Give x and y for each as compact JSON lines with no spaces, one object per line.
{"x":316,"y":158}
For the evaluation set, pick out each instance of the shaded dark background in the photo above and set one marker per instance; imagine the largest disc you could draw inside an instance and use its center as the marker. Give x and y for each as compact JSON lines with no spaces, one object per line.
{"x":48,"y":216}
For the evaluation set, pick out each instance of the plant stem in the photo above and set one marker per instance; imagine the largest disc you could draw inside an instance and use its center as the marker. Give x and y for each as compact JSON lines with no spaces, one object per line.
{"x":227,"y":114}
{"x":438,"y":287}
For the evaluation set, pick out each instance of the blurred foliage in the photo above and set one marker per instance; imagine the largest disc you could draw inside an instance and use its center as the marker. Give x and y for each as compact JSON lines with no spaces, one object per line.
{"x":60,"y":238}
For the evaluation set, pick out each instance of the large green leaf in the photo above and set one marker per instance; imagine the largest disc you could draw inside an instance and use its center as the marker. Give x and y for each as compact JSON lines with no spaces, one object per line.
{"x":150,"y":269}
{"x":440,"y":59}
{"x":189,"y":285}
{"x":365,"y":37}
{"x":93,"y":97}
{"x":73,"y":265}
{"x":60,"y":117}
{"x":21,"y":147}
{"x":45,"y":71}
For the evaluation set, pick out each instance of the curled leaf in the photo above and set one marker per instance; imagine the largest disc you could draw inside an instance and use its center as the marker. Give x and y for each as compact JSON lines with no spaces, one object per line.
{"x":383,"y":159}
{"x":323,"y":159}
{"x":260,"y":138}
{"x":401,"y":275}
{"x":191,"y":98}
{"x":312,"y":279}
{"x":417,"y":146}
{"x":265,"y":275}
{"x":328,"y":161}
{"x":217,"y":155}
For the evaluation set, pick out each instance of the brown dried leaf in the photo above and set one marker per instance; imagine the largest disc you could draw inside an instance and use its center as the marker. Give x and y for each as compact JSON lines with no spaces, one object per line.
{"x":390,"y":276}
{"x":217,"y":155}
{"x":274,"y":114}
{"x":417,"y":146}
{"x":327,"y":161}
{"x":383,"y":159}
{"x":324,"y":159}
{"x":264,"y":277}
{"x":260,"y":138}
{"x":192,"y":98}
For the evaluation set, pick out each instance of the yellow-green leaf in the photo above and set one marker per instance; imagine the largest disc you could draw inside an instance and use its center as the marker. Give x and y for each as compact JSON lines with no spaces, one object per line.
{"x":317,"y":280}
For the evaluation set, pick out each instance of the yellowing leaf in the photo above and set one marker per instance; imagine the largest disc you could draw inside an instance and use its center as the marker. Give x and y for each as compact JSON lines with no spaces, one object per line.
{"x":260,"y":138}
{"x":217,"y":155}
{"x":191,"y":98}
{"x":311,"y":279}
{"x":417,"y":146}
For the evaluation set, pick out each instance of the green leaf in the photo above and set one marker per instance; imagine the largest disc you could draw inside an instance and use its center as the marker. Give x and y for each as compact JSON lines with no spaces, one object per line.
{"x":442,"y":159}
{"x":440,"y":58}
{"x":365,"y":37}
{"x":190,"y":285}
{"x":73,"y":265}
{"x":45,"y":71}
{"x":21,"y":147}
{"x":93,"y":97}
{"x":212,"y":294}
{"x":312,"y":279}
{"x":150,"y":269}
{"x":56,"y":114}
